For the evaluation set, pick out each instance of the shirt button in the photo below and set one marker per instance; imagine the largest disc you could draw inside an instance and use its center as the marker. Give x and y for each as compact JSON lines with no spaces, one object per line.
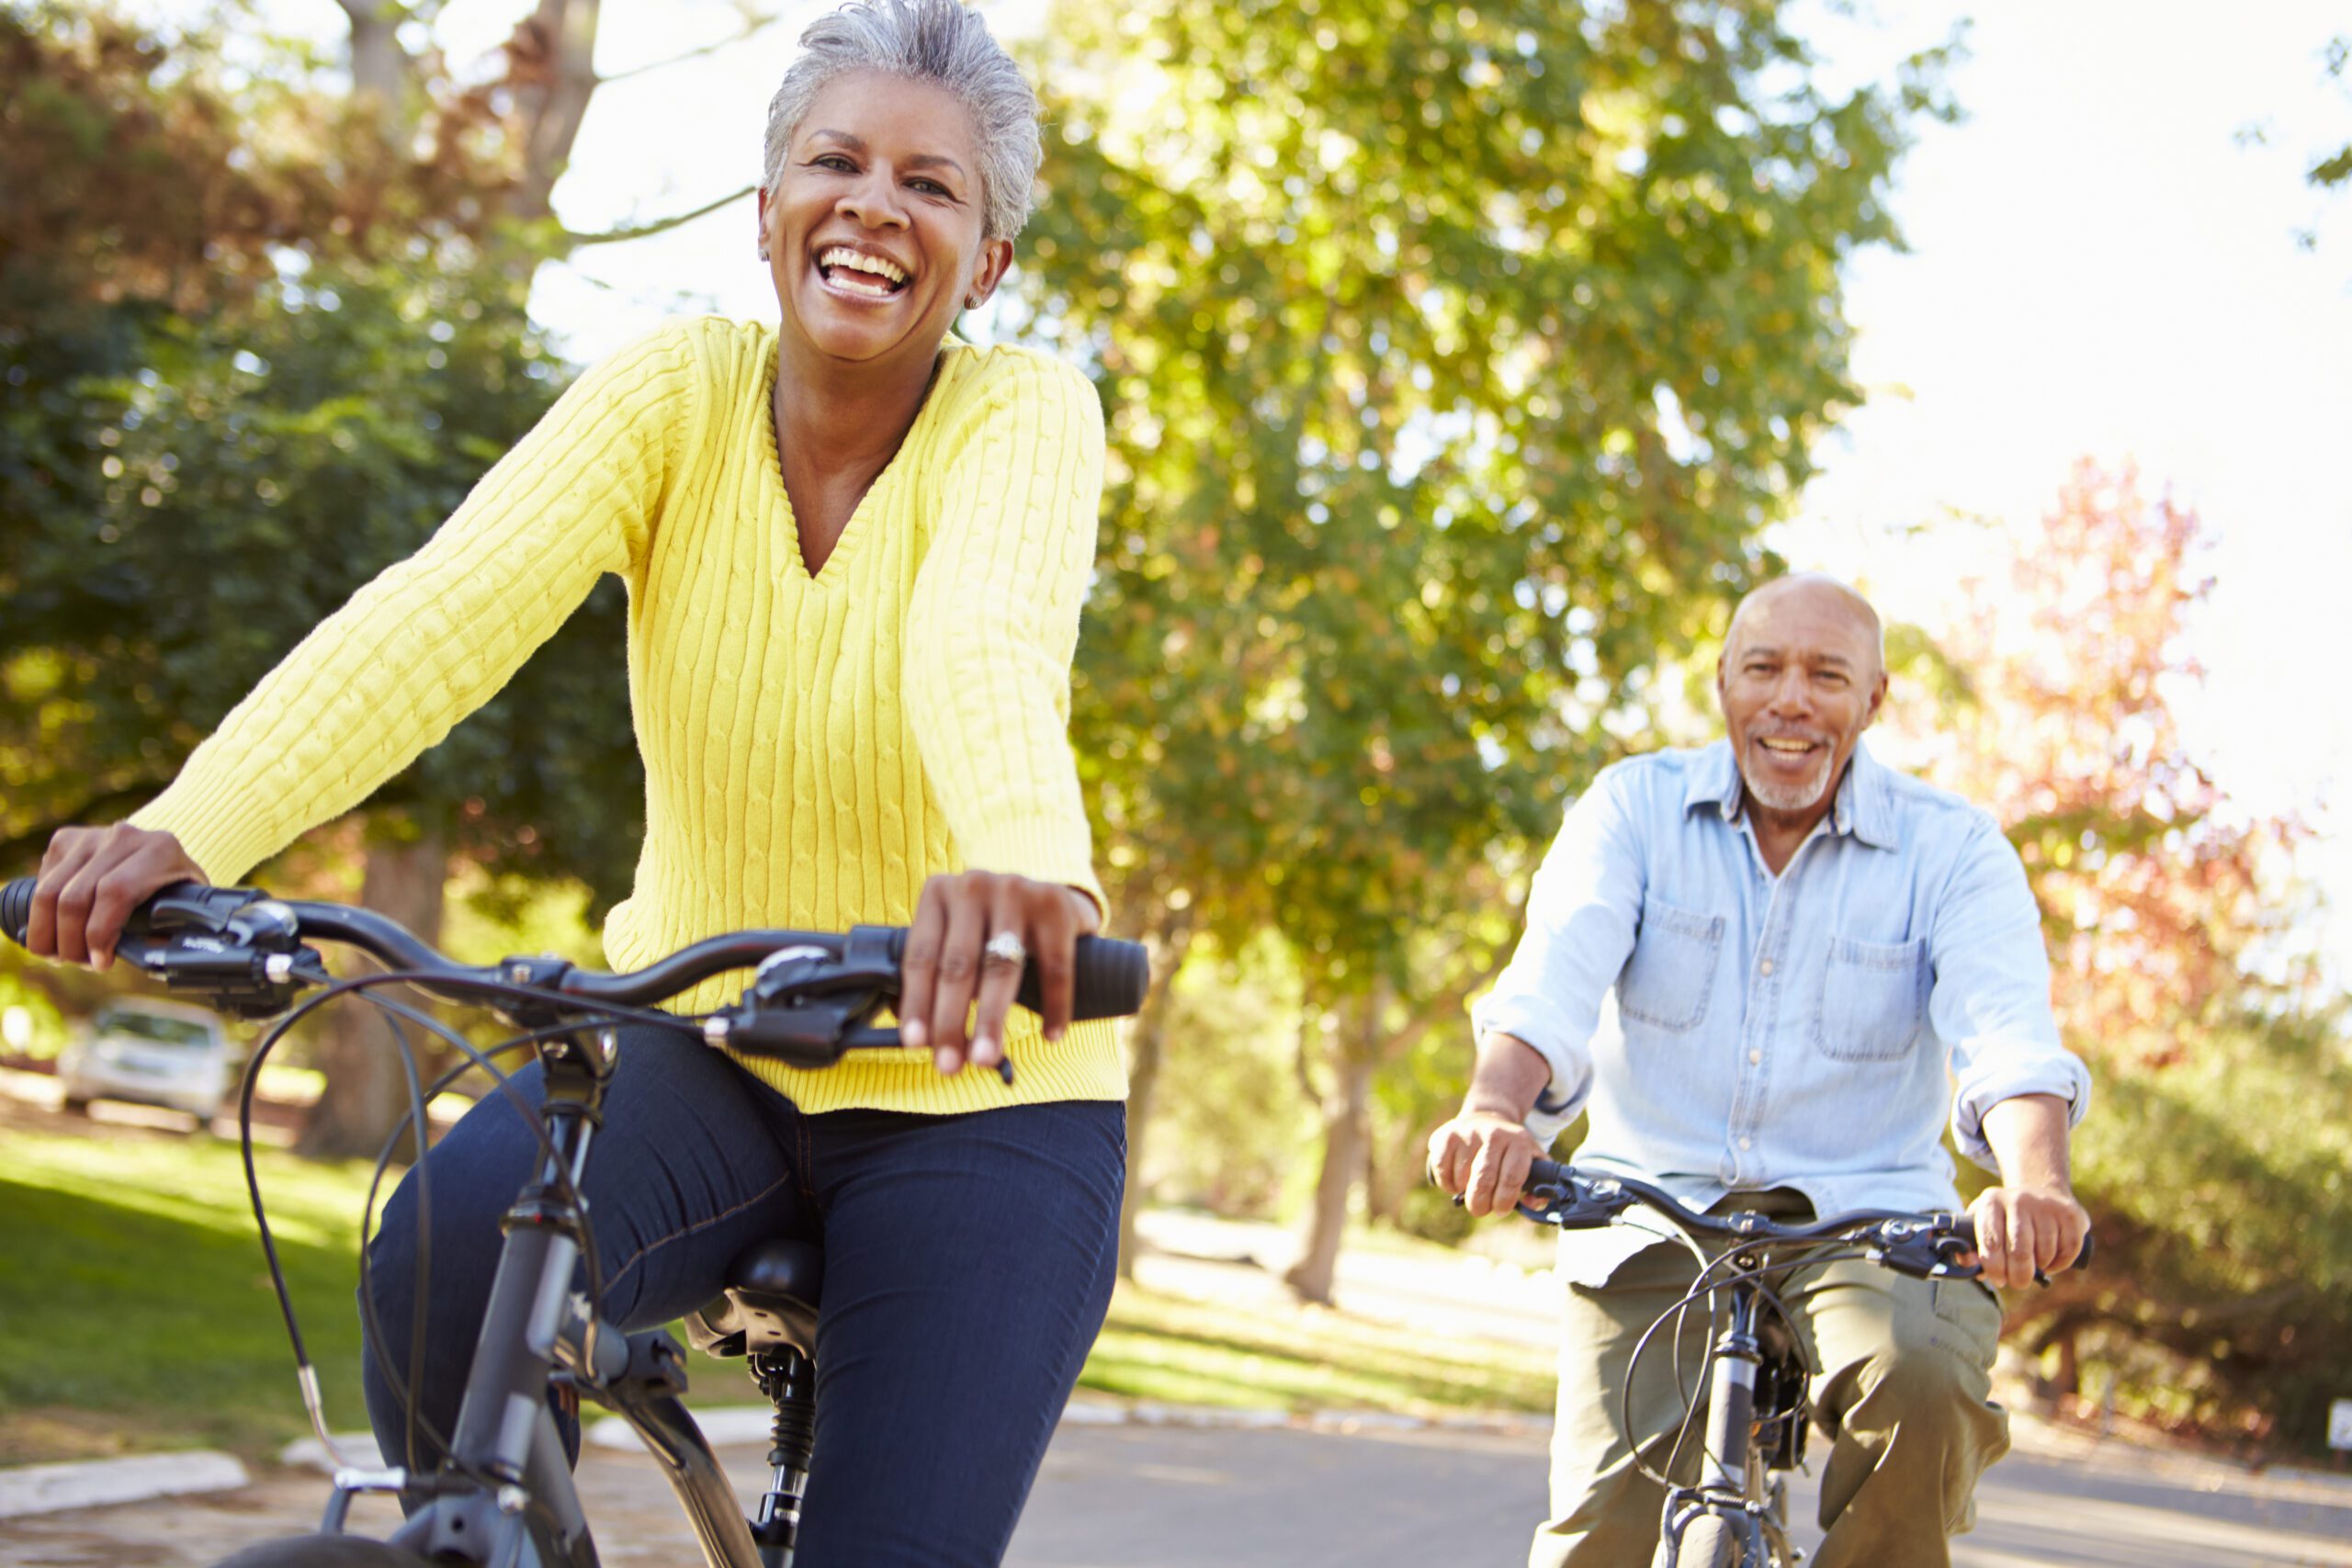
{"x":1765,"y":967}
{"x":1748,"y":1143}
{"x":1755,"y":1056}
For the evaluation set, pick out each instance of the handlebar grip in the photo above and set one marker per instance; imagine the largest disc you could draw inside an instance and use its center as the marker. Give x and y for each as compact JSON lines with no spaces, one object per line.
{"x":168,"y":907}
{"x":17,"y":909}
{"x":1108,"y":979}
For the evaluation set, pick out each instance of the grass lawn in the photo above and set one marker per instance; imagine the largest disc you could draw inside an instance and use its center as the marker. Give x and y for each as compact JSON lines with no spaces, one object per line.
{"x":1194,"y":1352}
{"x":136,"y":1314}
{"x":135,"y":1307}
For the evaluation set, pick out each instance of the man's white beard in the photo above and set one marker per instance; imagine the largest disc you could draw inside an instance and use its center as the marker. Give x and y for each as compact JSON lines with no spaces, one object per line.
{"x":1796,"y":797}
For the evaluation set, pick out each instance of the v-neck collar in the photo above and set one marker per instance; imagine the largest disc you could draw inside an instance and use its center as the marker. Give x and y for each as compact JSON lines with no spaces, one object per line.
{"x":853,"y":532}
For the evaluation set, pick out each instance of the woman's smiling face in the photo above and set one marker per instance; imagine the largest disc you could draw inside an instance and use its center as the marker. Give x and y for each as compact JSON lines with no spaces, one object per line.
{"x":873,"y":231}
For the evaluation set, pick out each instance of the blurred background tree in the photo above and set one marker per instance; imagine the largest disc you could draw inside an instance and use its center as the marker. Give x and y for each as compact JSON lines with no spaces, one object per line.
{"x":2335,"y":168}
{"x":266,"y":327}
{"x":1455,"y":356}
{"x":2218,"y":1190}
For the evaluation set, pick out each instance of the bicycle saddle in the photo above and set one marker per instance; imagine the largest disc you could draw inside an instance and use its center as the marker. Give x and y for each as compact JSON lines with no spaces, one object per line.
{"x":770,"y":1301}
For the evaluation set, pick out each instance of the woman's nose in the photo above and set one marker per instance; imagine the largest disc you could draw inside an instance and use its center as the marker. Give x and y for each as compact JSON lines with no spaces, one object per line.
{"x":873,"y":202}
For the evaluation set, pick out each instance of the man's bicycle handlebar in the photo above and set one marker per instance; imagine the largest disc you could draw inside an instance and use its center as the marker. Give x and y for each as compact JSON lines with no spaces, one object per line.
{"x":1926,"y":1246}
{"x":813,"y":995}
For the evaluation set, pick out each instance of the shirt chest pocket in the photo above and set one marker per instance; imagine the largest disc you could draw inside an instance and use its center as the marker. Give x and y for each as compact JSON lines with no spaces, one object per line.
{"x":1874,"y":999}
{"x":1667,"y":981}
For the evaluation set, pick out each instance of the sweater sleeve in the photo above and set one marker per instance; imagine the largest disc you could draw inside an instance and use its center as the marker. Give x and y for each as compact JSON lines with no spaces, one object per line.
{"x":435,"y":637}
{"x":993,"y":624}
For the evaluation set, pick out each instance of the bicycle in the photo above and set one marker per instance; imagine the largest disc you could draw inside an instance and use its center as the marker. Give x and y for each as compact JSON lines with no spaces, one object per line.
{"x":503,"y":1496}
{"x":1755,"y":1373}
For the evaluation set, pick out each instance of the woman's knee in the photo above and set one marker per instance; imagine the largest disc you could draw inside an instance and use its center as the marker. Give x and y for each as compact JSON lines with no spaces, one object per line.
{"x":469,"y":1180}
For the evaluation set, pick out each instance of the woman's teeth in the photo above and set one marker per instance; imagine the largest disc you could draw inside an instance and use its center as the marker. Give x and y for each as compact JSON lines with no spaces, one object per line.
{"x":858,"y":273}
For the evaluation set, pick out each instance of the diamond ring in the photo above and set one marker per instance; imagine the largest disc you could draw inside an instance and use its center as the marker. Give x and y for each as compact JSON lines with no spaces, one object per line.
{"x":1005,"y":947}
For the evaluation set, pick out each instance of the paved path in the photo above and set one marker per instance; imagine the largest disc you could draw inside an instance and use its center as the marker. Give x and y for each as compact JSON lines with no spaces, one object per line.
{"x":1134,"y":1497}
{"x":1141,"y":1496}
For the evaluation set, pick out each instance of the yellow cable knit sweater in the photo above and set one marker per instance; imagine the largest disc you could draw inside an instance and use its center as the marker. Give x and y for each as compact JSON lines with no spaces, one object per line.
{"x":815,"y":747}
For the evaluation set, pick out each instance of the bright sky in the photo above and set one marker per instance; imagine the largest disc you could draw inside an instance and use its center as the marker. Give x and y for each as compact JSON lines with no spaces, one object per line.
{"x":2096,"y":266}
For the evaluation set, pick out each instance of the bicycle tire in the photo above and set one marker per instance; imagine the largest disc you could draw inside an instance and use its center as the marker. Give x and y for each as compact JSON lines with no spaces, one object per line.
{"x":325,"y":1551}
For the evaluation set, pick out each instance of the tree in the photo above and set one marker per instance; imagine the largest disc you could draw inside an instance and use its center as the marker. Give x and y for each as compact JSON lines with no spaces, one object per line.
{"x":1453,"y":358}
{"x":2335,"y":168}
{"x":2216,"y":1193}
{"x":311,"y":345}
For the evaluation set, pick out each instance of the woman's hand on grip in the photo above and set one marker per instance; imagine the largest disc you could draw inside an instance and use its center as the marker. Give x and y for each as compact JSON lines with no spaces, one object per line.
{"x":947,"y":974}
{"x":91,"y":880}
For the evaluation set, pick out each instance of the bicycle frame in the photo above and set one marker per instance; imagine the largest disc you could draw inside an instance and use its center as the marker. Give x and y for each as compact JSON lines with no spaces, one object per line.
{"x":535,"y":1327}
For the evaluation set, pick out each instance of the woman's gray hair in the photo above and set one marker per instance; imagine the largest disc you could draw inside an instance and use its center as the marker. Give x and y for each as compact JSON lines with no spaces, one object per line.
{"x":926,"y":40}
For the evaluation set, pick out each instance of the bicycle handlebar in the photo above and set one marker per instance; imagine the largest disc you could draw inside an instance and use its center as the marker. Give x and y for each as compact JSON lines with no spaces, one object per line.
{"x":246,"y":951}
{"x":1923,"y":1246}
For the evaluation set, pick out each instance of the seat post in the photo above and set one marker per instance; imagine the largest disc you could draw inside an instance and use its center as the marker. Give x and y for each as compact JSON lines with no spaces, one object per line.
{"x":789,"y":1380}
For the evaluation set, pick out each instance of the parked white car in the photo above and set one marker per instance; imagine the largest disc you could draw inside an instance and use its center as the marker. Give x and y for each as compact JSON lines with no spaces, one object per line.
{"x":153,"y":1053}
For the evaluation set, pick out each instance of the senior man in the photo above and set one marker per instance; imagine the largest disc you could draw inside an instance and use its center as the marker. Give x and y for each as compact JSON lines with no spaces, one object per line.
{"x":1766,"y":969}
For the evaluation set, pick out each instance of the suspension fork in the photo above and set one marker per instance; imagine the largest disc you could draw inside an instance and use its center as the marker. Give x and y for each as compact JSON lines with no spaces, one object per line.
{"x":505,"y":1431}
{"x":530,"y":1295}
{"x":1726,"y":1464}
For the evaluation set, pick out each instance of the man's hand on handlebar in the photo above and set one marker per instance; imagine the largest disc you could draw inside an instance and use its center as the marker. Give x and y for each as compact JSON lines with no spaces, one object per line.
{"x":91,"y":881}
{"x":2025,"y":1231}
{"x":1482,"y":1156}
{"x":947,"y":967}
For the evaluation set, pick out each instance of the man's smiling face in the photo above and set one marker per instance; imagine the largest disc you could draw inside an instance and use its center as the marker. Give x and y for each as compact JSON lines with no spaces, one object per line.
{"x":1799,"y":680}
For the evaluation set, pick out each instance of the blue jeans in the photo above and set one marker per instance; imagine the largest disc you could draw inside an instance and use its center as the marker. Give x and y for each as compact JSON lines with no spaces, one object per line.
{"x":968,"y":1264}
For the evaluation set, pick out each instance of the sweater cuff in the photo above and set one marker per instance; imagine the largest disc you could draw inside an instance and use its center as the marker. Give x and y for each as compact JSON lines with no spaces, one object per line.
{"x":1041,"y":847}
{"x":216,"y":835}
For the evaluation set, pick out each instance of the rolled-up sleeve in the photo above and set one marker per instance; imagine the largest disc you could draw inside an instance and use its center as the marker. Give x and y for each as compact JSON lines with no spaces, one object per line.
{"x":1581,"y":917}
{"x":1990,"y":1000}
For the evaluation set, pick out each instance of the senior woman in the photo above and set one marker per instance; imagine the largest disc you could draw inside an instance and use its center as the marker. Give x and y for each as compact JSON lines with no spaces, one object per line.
{"x":855,"y":549}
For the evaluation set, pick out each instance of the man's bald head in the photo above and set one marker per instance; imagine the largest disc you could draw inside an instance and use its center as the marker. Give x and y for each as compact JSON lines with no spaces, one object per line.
{"x":1830,"y":593}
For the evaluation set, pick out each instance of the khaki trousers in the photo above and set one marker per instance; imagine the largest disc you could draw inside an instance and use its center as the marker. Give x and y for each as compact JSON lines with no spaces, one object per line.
{"x":1903,"y":1395}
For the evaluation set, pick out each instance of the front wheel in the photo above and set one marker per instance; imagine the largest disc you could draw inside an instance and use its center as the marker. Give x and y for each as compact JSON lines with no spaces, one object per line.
{"x":325,"y":1551}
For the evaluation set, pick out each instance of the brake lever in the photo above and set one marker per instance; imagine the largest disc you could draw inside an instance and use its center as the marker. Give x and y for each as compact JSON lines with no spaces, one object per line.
{"x":1921,"y":1251}
{"x":236,"y":947}
{"x":808,"y":1006}
{"x":1578,"y":1203}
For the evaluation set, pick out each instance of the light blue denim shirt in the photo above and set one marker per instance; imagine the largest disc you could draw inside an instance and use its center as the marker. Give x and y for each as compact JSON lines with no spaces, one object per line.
{"x":1730,"y":1029}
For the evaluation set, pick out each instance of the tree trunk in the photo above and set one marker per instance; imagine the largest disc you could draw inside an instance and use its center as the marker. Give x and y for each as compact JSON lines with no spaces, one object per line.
{"x":1169,"y":941}
{"x":2067,"y":1381}
{"x":1347,"y":1140}
{"x":380,"y":67}
{"x":366,"y":1090}
{"x":552,"y":66}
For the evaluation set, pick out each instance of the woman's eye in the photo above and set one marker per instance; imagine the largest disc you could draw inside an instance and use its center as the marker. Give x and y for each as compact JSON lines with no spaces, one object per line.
{"x":831,"y":160}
